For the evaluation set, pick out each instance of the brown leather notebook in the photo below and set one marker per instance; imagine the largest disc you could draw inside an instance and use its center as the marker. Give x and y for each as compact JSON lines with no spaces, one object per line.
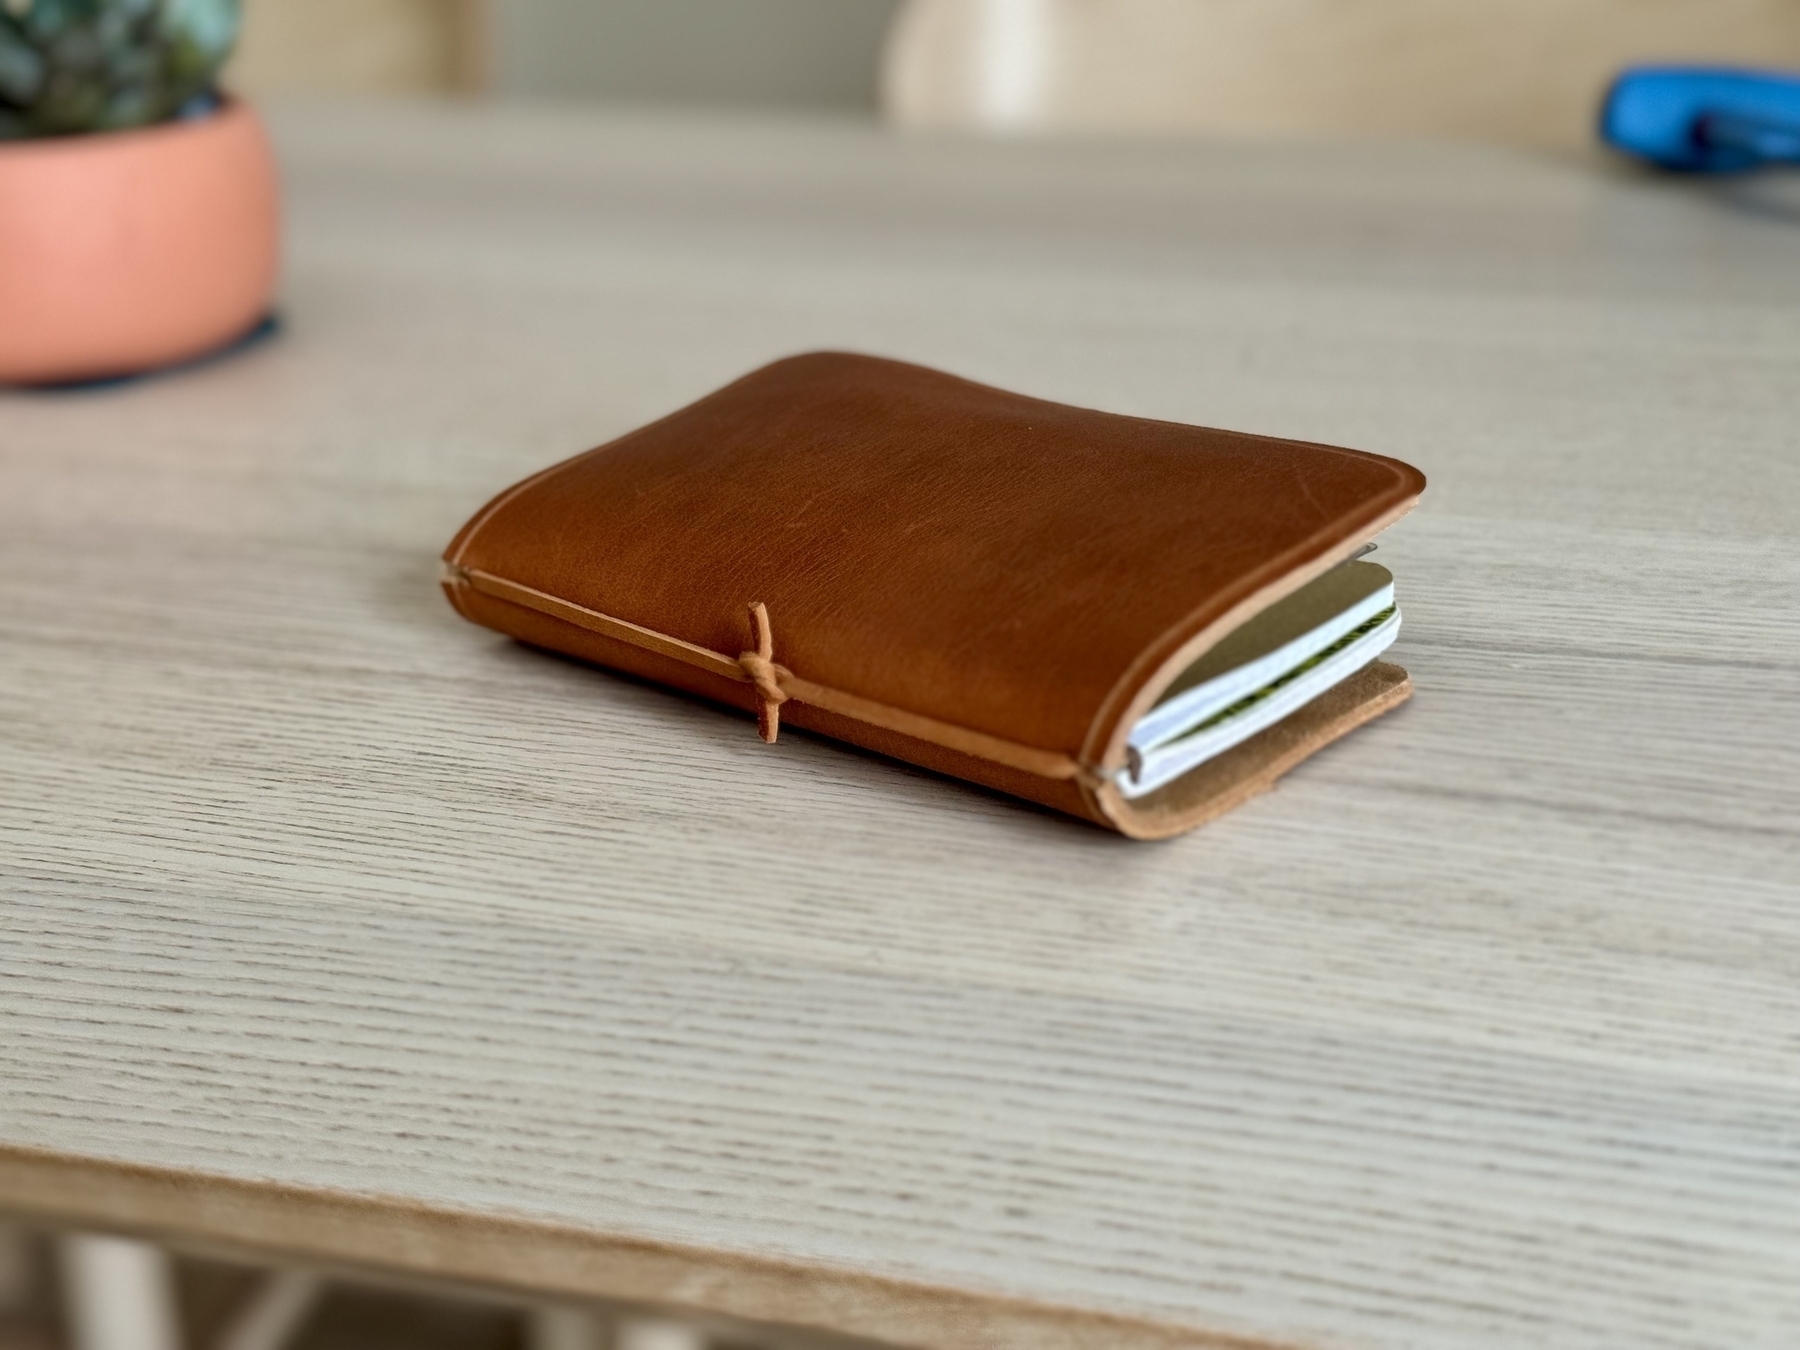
{"x":1136,"y":622}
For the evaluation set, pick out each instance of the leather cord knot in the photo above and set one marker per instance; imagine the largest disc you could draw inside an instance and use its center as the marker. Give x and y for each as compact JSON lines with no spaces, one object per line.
{"x":760,"y":666}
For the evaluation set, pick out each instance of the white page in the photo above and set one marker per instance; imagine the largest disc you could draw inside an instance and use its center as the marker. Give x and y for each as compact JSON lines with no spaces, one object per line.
{"x":1162,"y":764}
{"x":1177,"y":716}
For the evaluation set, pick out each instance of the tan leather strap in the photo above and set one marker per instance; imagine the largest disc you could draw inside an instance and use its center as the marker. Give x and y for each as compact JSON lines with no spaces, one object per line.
{"x":774,"y":683}
{"x":760,"y":666}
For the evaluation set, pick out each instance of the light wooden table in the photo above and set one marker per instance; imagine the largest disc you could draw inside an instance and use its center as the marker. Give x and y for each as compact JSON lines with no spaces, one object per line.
{"x":336,"y":927}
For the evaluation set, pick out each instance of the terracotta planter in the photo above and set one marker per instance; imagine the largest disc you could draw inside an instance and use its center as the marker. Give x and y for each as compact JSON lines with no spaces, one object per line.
{"x":122,"y":251}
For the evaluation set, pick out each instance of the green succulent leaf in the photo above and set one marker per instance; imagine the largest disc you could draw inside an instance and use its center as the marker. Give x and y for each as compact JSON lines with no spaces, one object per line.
{"x":22,"y":66}
{"x":208,"y":27}
{"x":69,"y":66}
{"x":47,"y":19}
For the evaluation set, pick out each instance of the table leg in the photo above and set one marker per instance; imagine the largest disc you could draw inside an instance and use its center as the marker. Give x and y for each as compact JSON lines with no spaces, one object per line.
{"x":120,"y":1294}
{"x":655,"y":1333}
{"x":563,"y":1328}
{"x":274,"y":1312}
{"x":556,"y":1328}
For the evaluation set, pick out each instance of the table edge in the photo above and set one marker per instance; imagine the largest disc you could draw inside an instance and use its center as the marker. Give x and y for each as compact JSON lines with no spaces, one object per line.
{"x":338,"y":1228}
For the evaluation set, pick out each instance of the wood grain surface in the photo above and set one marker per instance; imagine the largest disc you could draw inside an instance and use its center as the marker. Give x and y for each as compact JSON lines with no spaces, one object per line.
{"x":334,"y":925}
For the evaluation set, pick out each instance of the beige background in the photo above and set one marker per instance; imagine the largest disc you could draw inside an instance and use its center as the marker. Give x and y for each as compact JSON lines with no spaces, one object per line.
{"x":801,"y":53}
{"x":360,"y":46}
{"x":1521,"y":71}
{"x":817,"y":53}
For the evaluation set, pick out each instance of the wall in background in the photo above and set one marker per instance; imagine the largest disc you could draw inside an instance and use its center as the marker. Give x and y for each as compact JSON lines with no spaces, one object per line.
{"x":361,"y":46}
{"x":798,"y":53}
{"x":1524,"y":71}
{"x":1528,"y":72}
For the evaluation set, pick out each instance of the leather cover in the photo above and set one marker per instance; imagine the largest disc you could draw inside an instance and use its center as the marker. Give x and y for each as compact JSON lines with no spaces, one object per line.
{"x":988,"y":585}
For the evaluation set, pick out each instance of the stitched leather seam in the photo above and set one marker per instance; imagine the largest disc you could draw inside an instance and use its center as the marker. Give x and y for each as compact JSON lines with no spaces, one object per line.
{"x":1044,"y":763}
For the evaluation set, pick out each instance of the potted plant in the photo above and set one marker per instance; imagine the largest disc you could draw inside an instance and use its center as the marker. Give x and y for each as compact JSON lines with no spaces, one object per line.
{"x":139,"y":220}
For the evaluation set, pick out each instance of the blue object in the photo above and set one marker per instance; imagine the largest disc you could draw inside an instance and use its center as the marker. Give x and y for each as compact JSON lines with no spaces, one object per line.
{"x":1704,"y":119}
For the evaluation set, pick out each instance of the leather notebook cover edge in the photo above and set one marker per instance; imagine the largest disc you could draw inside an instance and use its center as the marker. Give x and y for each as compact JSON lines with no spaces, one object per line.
{"x":539,"y":628}
{"x":1104,"y":748}
{"x":1209,"y":790}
